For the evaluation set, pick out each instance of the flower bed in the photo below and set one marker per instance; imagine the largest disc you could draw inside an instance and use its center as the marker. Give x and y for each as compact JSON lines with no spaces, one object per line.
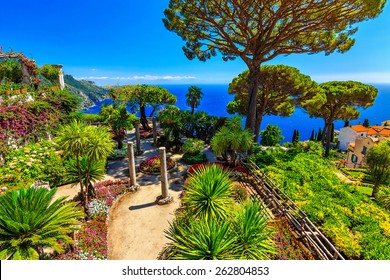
{"x":152,"y":165}
{"x":91,"y":239}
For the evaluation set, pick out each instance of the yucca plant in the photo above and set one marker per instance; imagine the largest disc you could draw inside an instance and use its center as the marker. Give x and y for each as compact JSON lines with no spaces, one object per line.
{"x":254,"y":237}
{"x":203,"y":239}
{"x":209,"y":193}
{"x":30,"y":221}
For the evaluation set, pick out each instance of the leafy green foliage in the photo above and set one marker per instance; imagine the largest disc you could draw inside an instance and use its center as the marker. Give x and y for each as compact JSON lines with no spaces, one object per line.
{"x":212,"y":226}
{"x":31,"y":221}
{"x":92,"y":118}
{"x":339,"y":101}
{"x":80,"y":141}
{"x":193,"y":97}
{"x":118,"y":119}
{"x":271,"y":136}
{"x":33,"y":162}
{"x":350,"y":219}
{"x":378,"y":162}
{"x":232,"y":138}
{"x":193,"y":146}
{"x":211,"y":27}
{"x":141,"y":96}
{"x":281,"y":87}
{"x":10,"y":71}
{"x":50,"y":72}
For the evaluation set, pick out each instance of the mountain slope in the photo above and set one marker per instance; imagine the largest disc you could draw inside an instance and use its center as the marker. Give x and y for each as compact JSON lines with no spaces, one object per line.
{"x":87,"y":90}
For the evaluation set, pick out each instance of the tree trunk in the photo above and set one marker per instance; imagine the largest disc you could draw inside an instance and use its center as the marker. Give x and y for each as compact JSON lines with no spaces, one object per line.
{"x":143,"y":119}
{"x":192,"y":109}
{"x":253,"y":87}
{"x":259,"y":120}
{"x":375,"y":190}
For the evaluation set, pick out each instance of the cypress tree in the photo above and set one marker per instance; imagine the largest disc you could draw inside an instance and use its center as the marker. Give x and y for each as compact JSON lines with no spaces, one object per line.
{"x":346,"y":123}
{"x":319,"y":135}
{"x":312,"y":137}
{"x":294,"y":136}
{"x":366,"y":123}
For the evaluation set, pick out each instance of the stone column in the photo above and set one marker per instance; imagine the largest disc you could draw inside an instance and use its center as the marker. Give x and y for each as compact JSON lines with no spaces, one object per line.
{"x":130,"y":153}
{"x":165,"y":197}
{"x":61,"y":77}
{"x":138,"y":137}
{"x":25,"y":74}
{"x":154,"y":132}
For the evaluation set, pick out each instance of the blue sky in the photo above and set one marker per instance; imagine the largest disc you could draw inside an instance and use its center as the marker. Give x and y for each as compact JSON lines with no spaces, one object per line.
{"x":125,"y":42}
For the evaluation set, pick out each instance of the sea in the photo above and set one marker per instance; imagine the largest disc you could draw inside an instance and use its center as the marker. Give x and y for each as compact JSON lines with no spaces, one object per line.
{"x":216,"y":97}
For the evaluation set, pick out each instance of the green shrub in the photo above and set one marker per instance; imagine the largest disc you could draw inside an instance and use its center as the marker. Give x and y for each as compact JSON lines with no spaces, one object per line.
{"x":33,"y":162}
{"x":193,"y":146}
{"x":118,"y":153}
{"x":194,"y":158}
{"x":354,"y":223}
{"x":92,"y":118}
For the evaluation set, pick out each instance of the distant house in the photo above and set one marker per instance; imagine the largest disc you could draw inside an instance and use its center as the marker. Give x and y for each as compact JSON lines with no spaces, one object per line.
{"x":357,"y":151}
{"x":349,"y":134}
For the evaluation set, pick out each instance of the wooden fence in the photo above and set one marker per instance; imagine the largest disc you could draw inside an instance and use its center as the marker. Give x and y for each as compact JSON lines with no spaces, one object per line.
{"x":282,"y":206}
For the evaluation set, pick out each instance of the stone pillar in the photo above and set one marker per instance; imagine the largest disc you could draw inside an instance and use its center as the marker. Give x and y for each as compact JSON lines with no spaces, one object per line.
{"x":154,"y":132}
{"x":61,"y":77}
{"x":165,"y":198}
{"x":130,"y":153}
{"x":25,"y":74}
{"x":138,"y":137}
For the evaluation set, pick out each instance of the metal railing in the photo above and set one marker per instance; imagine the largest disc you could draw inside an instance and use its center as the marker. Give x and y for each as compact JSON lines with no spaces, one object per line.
{"x":282,"y":206}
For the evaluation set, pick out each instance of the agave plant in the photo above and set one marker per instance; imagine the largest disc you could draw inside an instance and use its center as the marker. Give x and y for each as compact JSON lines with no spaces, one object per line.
{"x":204,"y":239}
{"x":209,"y":193}
{"x":254,"y":237}
{"x":31,"y":222}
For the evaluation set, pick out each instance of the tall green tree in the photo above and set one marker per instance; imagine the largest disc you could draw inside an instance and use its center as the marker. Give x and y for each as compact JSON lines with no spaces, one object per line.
{"x":78,"y":140}
{"x":271,"y":135}
{"x":141,"y":96}
{"x":378,"y":162}
{"x":193,"y":97}
{"x":312,"y":136}
{"x":339,"y":100}
{"x":118,"y":119}
{"x":30,"y":221}
{"x":296,"y":136}
{"x":366,"y":123}
{"x":281,"y":87}
{"x":258,"y":31}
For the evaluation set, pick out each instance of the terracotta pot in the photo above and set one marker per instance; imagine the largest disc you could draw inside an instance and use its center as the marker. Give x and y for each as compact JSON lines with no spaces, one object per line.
{"x":23,"y":90}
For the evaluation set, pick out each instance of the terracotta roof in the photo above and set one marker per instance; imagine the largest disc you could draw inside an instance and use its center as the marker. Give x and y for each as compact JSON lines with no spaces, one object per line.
{"x":359,"y":128}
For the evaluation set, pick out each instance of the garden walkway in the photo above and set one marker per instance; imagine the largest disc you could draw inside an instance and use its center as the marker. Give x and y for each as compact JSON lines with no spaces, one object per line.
{"x":136,"y":223}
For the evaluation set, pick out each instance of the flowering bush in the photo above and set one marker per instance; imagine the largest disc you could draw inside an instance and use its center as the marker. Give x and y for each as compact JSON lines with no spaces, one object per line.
{"x":287,"y":246}
{"x":152,"y":164}
{"x":91,"y":239}
{"x":31,"y":163}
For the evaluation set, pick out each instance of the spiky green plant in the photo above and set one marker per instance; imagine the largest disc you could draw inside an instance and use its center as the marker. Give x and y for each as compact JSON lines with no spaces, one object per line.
{"x":31,"y":221}
{"x":209,"y":193}
{"x":204,"y":239}
{"x":254,"y":237}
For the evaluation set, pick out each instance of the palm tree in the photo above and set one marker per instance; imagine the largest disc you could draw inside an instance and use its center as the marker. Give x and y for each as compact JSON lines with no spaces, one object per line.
{"x":96,"y":171}
{"x":194,"y":95}
{"x":118,"y":119}
{"x":31,"y":221}
{"x":232,"y":138}
{"x":209,"y":193}
{"x":78,"y":140}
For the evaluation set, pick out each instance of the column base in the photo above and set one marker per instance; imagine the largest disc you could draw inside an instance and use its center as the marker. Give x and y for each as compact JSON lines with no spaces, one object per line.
{"x":134,"y":188}
{"x":164,"y":200}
